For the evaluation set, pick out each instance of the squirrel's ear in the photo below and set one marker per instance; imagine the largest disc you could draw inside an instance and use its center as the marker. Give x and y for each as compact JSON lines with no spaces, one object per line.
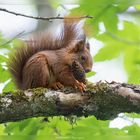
{"x":79,"y":46}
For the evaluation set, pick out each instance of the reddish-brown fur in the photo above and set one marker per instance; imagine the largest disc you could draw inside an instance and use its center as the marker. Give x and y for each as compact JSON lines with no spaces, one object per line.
{"x":45,"y":61}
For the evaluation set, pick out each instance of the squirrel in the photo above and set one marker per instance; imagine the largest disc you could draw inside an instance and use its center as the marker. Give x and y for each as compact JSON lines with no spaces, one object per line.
{"x":52,"y":62}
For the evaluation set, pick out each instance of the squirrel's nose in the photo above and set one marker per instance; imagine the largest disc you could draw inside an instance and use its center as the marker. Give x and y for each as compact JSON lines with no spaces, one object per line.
{"x":87,"y":70}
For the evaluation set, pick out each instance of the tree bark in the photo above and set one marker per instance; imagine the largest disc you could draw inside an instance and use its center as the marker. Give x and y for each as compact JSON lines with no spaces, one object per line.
{"x":103,"y":100}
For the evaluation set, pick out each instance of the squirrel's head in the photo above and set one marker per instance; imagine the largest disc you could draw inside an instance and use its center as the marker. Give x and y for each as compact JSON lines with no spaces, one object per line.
{"x":80,"y":52}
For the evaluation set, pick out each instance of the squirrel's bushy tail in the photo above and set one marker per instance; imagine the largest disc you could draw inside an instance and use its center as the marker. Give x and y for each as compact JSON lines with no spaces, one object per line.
{"x":41,"y":42}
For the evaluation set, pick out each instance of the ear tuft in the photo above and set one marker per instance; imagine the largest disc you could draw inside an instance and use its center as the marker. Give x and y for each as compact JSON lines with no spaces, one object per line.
{"x":88,"y":45}
{"x":79,"y":46}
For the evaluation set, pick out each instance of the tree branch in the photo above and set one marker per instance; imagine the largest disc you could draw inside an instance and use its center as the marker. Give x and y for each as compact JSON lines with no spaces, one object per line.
{"x":104,"y":100}
{"x":10,"y":40}
{"x":43,"y":18}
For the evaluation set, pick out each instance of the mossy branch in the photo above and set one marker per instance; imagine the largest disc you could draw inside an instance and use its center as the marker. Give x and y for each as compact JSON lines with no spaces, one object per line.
{"x":104,"y":100}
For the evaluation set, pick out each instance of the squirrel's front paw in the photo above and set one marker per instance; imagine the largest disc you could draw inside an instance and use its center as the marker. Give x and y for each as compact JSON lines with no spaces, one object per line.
{"x":80,"y":86}
{"x":56,"y":85}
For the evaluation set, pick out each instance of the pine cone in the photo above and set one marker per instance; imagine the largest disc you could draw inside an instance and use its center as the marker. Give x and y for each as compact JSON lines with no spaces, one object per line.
{"x":78,"y":72}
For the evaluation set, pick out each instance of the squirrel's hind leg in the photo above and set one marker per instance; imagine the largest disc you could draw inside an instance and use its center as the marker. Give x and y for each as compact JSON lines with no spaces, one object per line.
{"x":36,"y":73}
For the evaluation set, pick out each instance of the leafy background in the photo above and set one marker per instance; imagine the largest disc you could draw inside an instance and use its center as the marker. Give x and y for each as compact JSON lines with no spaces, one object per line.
{"x":117,"y":41}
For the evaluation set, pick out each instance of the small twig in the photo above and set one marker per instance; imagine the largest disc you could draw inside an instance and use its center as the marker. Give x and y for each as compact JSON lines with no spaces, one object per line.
{"x":43,"y":18}
{"x":7,"y":42}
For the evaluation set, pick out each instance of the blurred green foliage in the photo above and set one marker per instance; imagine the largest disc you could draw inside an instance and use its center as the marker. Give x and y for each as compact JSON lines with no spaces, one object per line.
{"x":124,"y":41}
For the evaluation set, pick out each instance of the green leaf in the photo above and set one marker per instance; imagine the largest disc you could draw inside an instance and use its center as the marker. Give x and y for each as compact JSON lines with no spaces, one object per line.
{"x":2,"y":129}
{"x":132,"y":64}
{"x":108,"y":52}
{"x":133,"y":38}
{"x":89,"y":74}
{"x":118,"y":43}
{"x":124,"y":4}
{"x":112,"y":12}
{"x":9,"y":87}
{"x":103,"y":11}
{"x":24,"y":127}
{"x":3,"y":58}
{"x":4,"y":74}
{"x":133,"y":130}
{"x":132,"y":115}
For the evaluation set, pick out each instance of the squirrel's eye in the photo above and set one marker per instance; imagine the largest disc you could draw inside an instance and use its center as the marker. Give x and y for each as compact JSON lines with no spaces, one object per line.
{"x":83,"y":58}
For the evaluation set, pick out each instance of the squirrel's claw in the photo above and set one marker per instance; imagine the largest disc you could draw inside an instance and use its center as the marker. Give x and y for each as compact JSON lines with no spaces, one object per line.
{"x":56,"y":86}
{"x":80,"y":86}
{"x":59,"y":85}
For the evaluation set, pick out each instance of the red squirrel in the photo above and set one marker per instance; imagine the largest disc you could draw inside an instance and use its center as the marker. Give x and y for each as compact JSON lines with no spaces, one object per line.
{"x":46,"y":60}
